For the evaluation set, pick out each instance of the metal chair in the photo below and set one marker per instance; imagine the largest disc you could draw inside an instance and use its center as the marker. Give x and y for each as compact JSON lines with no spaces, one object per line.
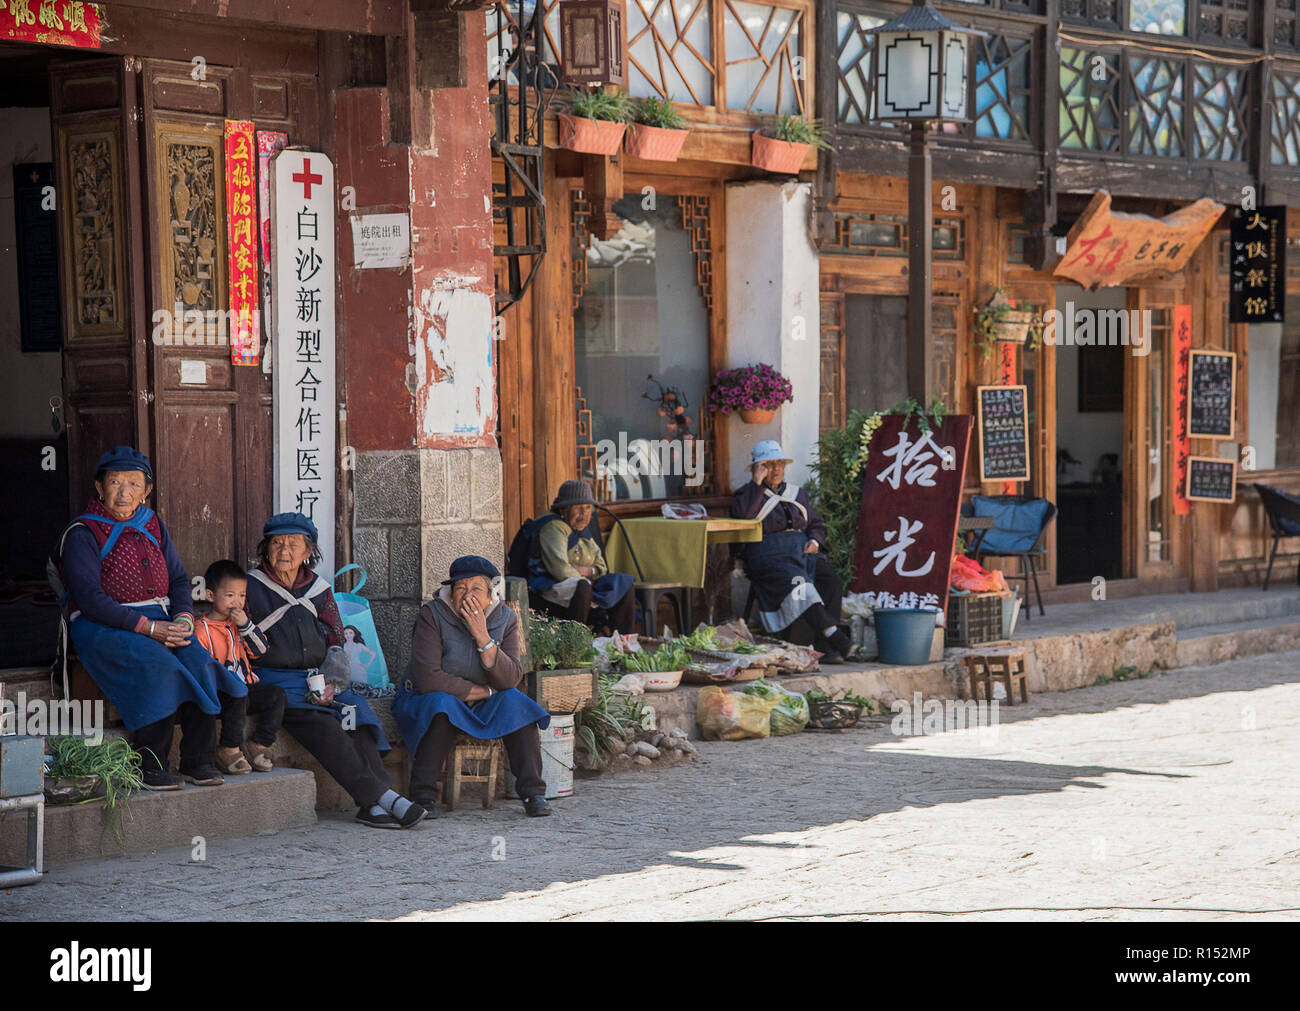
{"x":1038,"y":549}
{"x":1283,"y":512}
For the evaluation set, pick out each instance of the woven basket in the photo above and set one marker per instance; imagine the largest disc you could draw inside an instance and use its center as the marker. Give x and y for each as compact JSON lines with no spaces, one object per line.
{"x":563,"y":691}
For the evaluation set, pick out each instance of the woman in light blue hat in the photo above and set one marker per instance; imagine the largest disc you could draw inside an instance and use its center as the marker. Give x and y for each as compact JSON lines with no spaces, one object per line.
{"x":791,"y":576}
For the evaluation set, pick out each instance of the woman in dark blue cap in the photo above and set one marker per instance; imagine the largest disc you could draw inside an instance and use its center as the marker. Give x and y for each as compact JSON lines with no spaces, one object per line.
{"x":464,"y":676}
{"x":131,"y":618}
{"x":296,"y":612}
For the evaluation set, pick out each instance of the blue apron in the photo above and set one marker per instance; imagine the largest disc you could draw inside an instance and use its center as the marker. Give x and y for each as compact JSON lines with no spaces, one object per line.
{"x":294,"y":683}
{"x":146,"y":681}
{"x":782,"y":575}
{"x":503,"y":713}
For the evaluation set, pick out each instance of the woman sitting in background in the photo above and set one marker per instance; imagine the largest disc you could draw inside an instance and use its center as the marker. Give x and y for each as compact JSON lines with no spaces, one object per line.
{"x":568,"y":570}
{"x":464,"y":675}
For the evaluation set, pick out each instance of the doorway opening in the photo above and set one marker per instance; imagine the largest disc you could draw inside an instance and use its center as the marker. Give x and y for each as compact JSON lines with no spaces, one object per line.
{"x":1089,"y":436}
{"x":875,"y":351}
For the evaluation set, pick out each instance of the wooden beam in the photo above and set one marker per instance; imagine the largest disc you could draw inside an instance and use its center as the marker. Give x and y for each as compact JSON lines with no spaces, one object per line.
{"x":375,"y":17}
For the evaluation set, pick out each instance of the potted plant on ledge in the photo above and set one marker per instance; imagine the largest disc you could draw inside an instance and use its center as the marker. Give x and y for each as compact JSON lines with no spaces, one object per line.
{"x":792,"y":138}
{"x":752,"y":391}
{"x":657,"y":131}
{"x":597,"y":123}
{"x":563,"y":678}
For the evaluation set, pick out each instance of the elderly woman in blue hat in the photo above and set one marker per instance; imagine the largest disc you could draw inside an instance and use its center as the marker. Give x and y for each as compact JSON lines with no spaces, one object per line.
{"x":131,"y":619}
{"x":296,"y":612}
{"x":464,"y":676}
{"x":567,"y":568}
{"x":792,"y":578}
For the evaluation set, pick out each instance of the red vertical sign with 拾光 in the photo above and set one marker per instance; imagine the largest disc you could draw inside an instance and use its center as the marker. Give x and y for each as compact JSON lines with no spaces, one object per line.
{"x":241,"y":244}
{"x":911,"y":499}
{"x":1182,"y":447}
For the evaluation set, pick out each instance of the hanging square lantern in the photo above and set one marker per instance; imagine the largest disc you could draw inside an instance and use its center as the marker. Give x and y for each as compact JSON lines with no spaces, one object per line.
{"x":920,"y":64}
{"x":593,"y":40}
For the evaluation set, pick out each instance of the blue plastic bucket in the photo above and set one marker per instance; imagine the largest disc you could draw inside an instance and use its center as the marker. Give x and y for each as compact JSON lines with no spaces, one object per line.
{"x":905,"y":635}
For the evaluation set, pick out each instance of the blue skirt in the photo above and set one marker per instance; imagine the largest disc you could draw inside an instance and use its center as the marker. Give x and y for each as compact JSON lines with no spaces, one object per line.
{"x":503,"y":713}
{"x":294,"y":683}
{"x":782,"y":575}
{"x":146,"y":681}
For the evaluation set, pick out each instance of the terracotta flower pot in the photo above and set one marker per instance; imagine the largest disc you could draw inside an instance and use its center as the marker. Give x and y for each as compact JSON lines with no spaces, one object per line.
{"x":590,"y":136}
{"x":757,"y":415}
{"x":654,"y":143}
{"x":773,"y":155}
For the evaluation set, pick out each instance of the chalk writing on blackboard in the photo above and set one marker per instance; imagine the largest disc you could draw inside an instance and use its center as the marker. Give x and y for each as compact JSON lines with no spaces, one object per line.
{"x":1003,"y":433}
{"x":1212,"y":394}
{"x":1211,"y":479}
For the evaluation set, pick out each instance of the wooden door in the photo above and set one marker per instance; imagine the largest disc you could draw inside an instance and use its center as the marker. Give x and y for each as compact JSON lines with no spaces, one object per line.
{"x":212,"y":419}
{"x":105,"y":369}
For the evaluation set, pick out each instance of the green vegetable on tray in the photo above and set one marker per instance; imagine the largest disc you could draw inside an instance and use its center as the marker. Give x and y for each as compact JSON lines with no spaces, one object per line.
{"x":706,"y":637}
{"x":114,"y":761}
{"x":669,"y":656}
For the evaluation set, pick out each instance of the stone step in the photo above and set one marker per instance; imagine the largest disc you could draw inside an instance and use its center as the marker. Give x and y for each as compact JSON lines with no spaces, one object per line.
{"x":1210,"y":644}
{"x":150,"y":822}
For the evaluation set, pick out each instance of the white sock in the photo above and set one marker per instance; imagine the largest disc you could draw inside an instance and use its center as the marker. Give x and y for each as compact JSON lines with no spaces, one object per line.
{"x":376,"y":810}
{"x":394,"y":803}
{"x":829,"y":631}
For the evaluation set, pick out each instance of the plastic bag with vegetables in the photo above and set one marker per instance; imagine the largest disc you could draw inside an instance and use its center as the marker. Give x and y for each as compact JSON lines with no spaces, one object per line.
{"x":790,"y":710}
{"x":732,"y":716}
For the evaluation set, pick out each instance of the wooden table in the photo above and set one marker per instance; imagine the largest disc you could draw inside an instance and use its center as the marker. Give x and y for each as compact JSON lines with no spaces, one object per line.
{"x":674,"y":551}
{"x":980,"y":525}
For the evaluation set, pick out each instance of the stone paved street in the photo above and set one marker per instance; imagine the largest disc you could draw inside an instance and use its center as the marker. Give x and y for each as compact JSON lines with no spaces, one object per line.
{"x":1178,"y":792}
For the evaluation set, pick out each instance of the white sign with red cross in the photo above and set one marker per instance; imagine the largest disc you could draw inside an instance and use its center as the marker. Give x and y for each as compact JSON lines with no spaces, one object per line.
{"x":303,"y":283}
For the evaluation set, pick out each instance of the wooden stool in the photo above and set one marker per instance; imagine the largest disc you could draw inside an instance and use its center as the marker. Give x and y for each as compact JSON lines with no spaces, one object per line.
{"x":1006,"y":666}
{"x":472,"y":761}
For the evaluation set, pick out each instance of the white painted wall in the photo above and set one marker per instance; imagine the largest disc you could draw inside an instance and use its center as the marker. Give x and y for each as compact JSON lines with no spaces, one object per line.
{"x":1265,"y":343}
{"x":773,"y":314}
{"x":27,"y":381}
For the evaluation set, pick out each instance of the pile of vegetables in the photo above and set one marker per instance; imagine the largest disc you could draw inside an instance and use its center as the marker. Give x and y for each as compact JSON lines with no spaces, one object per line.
{"x":558,"y":644}
{"x":789,"y":715}
{"x":114,"y":761}
{"x":706,"y":637}
{"x":867,"y":705}
{"x":669,"y":656}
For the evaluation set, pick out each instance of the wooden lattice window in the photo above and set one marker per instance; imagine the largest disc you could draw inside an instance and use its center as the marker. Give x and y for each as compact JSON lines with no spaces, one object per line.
{"x":1224,"y":21}
{"x":1286,"y":117}
{"x":1090,"y":102}
{"x":1097,"y":13}
{"x":765,"y":60}
{"x":670,"y":49}
{"x":853,"y":65}
{"x":1286,"y":25}
{"x":1155,"y":106}
{"x":504,"y":17}
{"x":1219,"y":125}
{"x":1002,"y":88}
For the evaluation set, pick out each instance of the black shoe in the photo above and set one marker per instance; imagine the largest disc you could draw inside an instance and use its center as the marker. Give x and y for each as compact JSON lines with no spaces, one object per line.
{"x":415,"y":814}
{"x":158,"y":780}
{"x":384,"y":820}
{"x":206,"y":775}
{"x":430,"y":804}
{"x":536,"y":807}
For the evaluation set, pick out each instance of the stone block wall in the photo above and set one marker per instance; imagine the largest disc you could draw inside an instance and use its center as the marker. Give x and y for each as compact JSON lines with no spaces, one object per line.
{"x":414,"y":512}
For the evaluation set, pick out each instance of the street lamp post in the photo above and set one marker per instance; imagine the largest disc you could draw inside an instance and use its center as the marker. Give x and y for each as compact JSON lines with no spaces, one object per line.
{"x":920,"y":69}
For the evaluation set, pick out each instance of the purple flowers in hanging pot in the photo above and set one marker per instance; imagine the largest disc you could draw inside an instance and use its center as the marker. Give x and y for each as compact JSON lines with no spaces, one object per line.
{"x":748,"y":388}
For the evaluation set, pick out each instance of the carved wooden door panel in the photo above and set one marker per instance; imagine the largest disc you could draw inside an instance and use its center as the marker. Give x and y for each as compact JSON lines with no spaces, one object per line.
{"x":106,"y":388}
{"x":212,"y":418}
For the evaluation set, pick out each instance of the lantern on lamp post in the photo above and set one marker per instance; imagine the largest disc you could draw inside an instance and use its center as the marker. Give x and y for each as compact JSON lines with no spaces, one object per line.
{"x":921,"y":77}
{"x":593,"y":40}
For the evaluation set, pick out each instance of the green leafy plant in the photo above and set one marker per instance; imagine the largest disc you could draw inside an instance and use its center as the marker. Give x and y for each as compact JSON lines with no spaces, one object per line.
{"x":114,"y":761}
{"x":843,"y":695}
{"x":801,"y":130}
{"x":669,"y":656}
{"x":605,"y":720}
{"x":658,"y":112}
{"x":613,"y":106}
{"x":1130,"y":672}
{"x":557,"y":644}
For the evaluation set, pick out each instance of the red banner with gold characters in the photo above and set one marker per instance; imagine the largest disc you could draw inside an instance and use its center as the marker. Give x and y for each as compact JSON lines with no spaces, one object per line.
{"x":54,"y":22}
{"x":241,"y":226}
{"x":1182,"y":450}
{"x":1007,"y":377}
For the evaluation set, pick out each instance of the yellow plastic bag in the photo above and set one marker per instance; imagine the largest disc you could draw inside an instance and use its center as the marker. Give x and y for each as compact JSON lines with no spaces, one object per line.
{"x":733,"y":716}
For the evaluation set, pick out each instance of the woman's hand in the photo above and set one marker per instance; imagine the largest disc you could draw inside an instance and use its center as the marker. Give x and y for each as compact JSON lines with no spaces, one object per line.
{"x":811,"y":548}
{"x":171,"y":634}
{"x":760,"y":473}
{"x":586,"y":571}
{"x":327,"y":696}
{"x":478,"y":693}
{"x":476,"y":620}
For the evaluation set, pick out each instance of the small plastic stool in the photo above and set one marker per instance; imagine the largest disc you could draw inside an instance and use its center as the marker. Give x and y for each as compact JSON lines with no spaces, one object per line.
{"x":647,"y":598}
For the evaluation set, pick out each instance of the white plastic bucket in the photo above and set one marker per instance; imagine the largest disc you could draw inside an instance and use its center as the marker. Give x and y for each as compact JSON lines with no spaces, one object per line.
{"x":557,"y":758}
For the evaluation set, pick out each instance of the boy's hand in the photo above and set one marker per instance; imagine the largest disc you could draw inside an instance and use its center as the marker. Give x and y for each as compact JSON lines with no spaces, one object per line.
{"x":238,"y":615}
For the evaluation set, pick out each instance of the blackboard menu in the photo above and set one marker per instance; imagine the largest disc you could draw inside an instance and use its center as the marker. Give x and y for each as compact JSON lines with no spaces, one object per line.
{"x":1211,"y":479}
{"x":1212,"y":396}
{"x":1003,"y":433}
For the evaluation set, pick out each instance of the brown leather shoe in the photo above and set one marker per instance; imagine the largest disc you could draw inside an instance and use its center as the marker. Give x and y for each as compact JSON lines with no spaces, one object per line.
{"x":257,"y":756}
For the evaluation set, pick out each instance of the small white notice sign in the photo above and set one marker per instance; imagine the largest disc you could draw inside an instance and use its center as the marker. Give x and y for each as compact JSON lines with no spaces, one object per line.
{"x":380,"y":240}
{"x":194,"y":372}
